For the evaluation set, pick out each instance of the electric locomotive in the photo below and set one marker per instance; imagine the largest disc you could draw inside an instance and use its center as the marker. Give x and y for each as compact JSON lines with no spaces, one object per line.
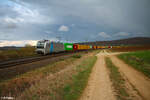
{"x":47,"y":47}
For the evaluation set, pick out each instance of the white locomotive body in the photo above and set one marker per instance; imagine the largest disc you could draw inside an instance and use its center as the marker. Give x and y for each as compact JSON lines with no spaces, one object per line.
{"x":47,"y":47}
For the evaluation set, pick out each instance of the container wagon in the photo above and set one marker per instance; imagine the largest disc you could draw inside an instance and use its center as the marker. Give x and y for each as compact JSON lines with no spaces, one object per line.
{"x":68,"y":46}
{"x":47,"y":47}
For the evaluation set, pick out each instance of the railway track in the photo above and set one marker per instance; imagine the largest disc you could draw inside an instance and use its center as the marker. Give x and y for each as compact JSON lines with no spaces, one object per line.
{"x":12,"y":63}
{"x":10,"y":69}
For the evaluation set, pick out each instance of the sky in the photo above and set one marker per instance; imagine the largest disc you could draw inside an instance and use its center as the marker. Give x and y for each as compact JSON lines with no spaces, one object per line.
{"x":27,"y":21}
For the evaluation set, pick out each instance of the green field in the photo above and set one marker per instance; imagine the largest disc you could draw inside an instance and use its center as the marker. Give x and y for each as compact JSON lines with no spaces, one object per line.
{"x":140,"y":60}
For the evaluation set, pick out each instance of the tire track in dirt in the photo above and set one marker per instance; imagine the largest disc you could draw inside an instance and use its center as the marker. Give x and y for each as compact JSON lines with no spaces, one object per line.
{"x":133,"y":94}
{"x":136,"y":78}
{"x":99,"y":85}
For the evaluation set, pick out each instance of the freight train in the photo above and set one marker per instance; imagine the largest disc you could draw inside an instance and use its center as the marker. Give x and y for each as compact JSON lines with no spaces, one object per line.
{"x":47,"y":47}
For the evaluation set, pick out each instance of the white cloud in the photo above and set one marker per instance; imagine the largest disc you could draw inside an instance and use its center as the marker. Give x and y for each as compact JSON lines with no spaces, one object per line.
{"x":23,"y":42}
{"x":18,"y":43}
{"x":32,"y":42}
{"x":13,"y":20}
{"x":30,"y":15}
{"x":63,"y":28}
{"x":26,"y":19}
{"x":104,"y":35}
{"x":122,"y":34}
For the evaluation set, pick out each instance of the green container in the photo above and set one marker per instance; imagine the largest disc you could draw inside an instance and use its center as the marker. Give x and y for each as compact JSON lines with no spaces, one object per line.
{"x":90,"y":46}
{"x":68,"y":46}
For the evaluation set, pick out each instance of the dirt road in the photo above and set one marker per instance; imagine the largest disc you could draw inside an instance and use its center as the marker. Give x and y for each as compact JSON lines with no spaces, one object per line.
{"x":100,"y":86}
{"x":137,"y":79}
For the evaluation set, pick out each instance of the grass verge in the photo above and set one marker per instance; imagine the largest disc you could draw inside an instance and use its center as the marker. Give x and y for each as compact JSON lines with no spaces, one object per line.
{"x":15,"y":86}
{"x":117,"y":80}
{"x":74,"y":90}
{"x":139,"y":60}
{"x":56,"y":86}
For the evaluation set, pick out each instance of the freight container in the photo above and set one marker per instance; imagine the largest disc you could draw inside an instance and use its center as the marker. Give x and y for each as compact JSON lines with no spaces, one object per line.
{"x":68,"y":46}
{"x":90,"y":46}
{"x":102,"y":47}
{"x":79,"y":47}
{"x":94,"y":47}
{"x":75,"y":46}
{"x":87,"y":47}
{"x":83,"y":47}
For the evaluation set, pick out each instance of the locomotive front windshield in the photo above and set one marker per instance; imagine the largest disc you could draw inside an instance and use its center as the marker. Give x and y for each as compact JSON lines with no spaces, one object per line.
{"x":40,"y":45}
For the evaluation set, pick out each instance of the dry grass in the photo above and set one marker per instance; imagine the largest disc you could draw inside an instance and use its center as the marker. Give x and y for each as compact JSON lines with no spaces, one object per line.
{"x":13,"y":54}
{"x":45,"y":83}
{"x":130,"y":48}
{"x":52,"y":86}
{"x":74,"y":90}
{"x":15,"y":86}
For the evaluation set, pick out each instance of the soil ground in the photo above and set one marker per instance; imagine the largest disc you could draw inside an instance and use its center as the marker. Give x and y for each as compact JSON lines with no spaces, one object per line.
{"x":137,"y":79}
{"x":100,"y":86}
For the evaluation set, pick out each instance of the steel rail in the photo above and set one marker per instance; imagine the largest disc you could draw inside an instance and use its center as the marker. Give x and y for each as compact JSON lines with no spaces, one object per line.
{"x":12,"y":63}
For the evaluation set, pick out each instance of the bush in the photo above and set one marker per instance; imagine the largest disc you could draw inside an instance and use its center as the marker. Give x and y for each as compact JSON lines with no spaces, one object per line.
{"x":76,"y":56}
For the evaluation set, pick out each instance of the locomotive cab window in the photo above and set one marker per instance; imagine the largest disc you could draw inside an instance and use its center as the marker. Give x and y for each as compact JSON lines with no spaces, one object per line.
{"x":40,"y":45}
